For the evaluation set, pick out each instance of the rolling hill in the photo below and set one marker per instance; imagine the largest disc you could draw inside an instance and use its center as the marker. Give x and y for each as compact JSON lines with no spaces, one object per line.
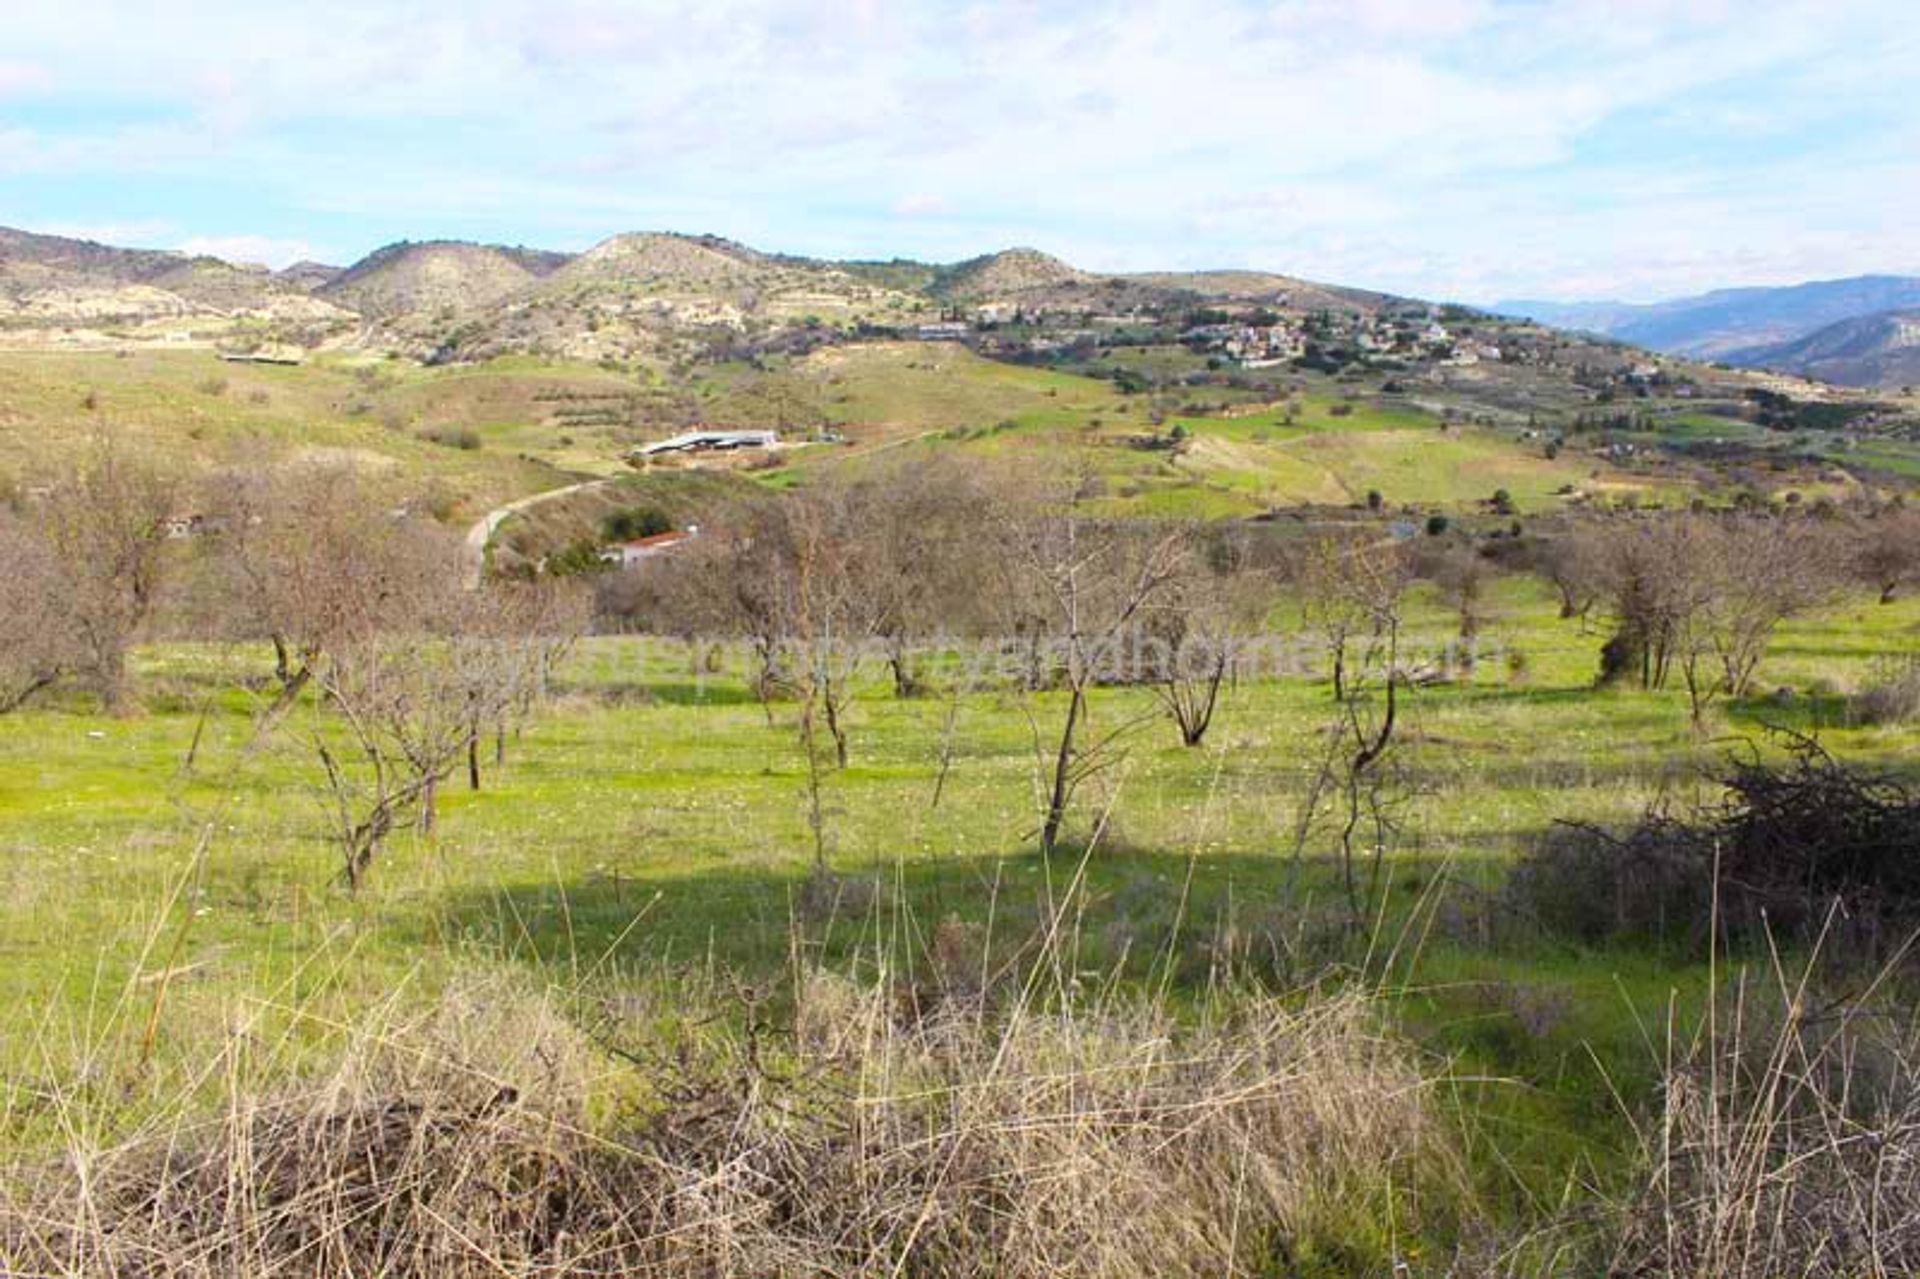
{"x":52,"y":283}
{"x":1007,"y":274}
{"x":487,"y":366}
{"x":631,"y":296}
{"x":1717,"y":324}
{"x":441,"y":275}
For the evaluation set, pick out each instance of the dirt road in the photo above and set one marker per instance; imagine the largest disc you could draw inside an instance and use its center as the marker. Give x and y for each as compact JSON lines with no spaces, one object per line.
{"x":481,"y":534}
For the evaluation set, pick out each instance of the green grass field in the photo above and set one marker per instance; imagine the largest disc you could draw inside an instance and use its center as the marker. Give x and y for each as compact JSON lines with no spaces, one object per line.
{"x":1332,"y":450}
{"x":478,"y":435}
{"x":199,"y":413}
{"x":168,"y":876}
{"x":653,"y":816}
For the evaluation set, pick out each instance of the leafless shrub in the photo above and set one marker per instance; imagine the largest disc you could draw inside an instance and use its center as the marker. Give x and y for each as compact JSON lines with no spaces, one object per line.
{"x":1791,"y":840}
{"x":1891,"y":694}
{"x":1652,"y":881}
{"x":1787,"y":1142}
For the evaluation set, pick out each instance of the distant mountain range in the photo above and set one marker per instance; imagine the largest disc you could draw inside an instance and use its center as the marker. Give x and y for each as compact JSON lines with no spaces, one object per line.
{"x":1845,"y":331}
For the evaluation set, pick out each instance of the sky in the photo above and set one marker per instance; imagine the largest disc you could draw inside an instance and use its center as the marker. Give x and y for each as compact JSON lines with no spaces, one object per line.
{"x":1474,"y":150}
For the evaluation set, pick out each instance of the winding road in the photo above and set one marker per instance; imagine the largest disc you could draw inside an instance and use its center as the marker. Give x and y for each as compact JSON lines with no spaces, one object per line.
{"x":481,"y":534}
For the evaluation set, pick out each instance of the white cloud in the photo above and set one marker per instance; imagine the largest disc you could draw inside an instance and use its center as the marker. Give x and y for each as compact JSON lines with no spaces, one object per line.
{"x":1452,"y":146}
{"x":23,"y":78}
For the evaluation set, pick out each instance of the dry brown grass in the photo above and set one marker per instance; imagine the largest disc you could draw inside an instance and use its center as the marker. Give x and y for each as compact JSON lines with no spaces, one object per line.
{"x":1012,"y":1136}
{"x":1788,"y":1142}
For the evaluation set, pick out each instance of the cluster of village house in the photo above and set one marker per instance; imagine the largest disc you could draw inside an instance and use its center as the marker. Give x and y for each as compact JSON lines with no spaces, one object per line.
{"x":1265,"y":342}
{"x":1256,"y":346}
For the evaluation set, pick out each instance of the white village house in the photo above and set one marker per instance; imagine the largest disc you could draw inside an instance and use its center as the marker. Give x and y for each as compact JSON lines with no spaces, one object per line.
{"x":632,"y":554}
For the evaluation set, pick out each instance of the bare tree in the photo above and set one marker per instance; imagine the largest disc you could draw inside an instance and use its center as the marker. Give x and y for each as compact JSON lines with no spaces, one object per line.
{"x":1703,"y":595}
{"x":1462,"y":576}
{"x":1765,"y":571}
{"x":399,"y":708}
{"x":1214,"y":603}
{"x":401,"y":670}
{"x":735,"y":580}
{"x":1571,"y":562}
{"x":1081,"y":582}
{"x":38,"y":635}
{"x":1886,"y":552}
{"x":1352,"y":592}
{"x":531,"y":626}
{"x":919,"y":564}
{"x":108,"y":526}
{"x":317,"y":558}
{"x":1654,"y":579}
{"x":796,"y":578}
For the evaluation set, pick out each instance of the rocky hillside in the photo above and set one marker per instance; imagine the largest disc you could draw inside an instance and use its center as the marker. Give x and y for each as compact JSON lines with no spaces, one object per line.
{"x":435,"y":277}
{"x":51,"y":283}
{"x":633,"y":295}
{"x":1265,"y":288}
{"x":663,"y":294}
{"x":1880,"y":350}
{"x":1009,"y":274}
{"x":30,"y":262}
{"x":649,"y":260}
{"x":309,"y":276}
{"x":654,"y":296}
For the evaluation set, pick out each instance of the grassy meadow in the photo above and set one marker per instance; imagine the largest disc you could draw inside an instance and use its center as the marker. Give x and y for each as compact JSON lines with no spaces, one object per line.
{"x":643,"y":852}
{"x":476,"y":436}
{"x":159,"y":873}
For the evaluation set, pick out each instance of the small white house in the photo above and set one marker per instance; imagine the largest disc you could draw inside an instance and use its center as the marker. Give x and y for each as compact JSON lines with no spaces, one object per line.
{"x":641,"y":549}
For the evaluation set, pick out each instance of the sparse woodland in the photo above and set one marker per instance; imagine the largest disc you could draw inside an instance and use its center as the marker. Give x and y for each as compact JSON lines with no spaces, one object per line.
{"x":1084,"y":1046}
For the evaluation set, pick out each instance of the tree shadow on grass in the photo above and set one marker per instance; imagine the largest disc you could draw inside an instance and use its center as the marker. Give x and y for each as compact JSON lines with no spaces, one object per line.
{"x":1548,"y":1034}
{"x":1806,"y":713}
{"x":1126,"y":913}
